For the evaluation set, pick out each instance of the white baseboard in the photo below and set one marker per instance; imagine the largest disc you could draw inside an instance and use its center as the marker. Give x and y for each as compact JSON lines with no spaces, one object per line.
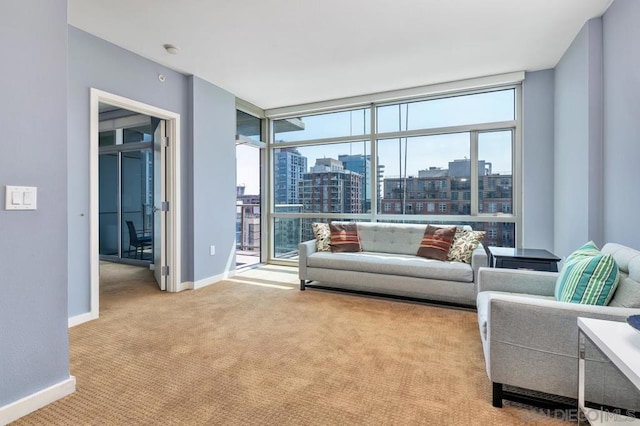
{"x":191,"y":285}
{"x":35,"y":401}
{"x":80,"y":319}
{"x":187,"y":285}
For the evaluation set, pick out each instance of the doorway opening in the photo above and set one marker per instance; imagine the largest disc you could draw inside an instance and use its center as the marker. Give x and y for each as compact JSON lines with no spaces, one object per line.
{"x":126,"y":186}
{"x":134,"y":180}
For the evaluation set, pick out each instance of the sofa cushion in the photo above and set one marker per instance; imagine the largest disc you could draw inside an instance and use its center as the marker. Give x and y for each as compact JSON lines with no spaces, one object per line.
{"x":436,"y":242}
{"x":323,"y":236}
{"x":400,"y":238}
{"x":627,"y":293}
{"x":390,"y":237}
{"x":392,"y":264}
{"x":588,"y":277}
{"x":344,"y":237}
{"x":464,"y":243}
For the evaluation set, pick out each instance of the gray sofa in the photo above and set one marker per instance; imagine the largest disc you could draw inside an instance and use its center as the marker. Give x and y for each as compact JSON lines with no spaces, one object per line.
{"x":388,"y":265}
{"x":530,"y":340}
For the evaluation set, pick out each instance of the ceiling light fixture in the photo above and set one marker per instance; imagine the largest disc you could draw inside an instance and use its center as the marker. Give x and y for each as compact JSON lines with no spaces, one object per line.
{"x":171,"y":49}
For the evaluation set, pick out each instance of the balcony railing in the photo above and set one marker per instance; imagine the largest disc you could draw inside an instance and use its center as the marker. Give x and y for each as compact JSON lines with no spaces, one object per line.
{"x":247,"y":234}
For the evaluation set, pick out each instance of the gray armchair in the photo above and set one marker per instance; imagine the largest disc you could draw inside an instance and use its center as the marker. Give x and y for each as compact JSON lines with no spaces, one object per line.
{"x":529,"y":339}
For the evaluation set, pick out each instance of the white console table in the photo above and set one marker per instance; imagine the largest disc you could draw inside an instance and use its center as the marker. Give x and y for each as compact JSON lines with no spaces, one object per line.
{"x":620,"y":344}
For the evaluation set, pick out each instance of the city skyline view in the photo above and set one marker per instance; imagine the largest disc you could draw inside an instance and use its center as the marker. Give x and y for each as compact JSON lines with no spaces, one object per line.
{"x":322,"y":163}
{"x":420,"y":152}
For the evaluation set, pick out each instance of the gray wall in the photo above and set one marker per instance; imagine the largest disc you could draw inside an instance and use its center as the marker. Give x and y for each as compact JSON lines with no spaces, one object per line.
{"x":96,"y":63}
{"x":621,"y":38}
{"x":208,"y":155}
{"x":34,"y":351}
{"x":578,"y":142}
{"x":214,"y":176}
{"x":538,"y":185}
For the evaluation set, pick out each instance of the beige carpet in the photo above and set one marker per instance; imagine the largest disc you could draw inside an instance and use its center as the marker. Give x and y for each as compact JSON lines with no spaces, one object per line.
{"x":256,"y":351}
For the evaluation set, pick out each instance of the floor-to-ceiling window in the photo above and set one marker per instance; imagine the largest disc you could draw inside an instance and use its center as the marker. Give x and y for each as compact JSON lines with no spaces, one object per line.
{"x":248,"y":188}
{"x":125,"y":186}
{"x":445,"y":159}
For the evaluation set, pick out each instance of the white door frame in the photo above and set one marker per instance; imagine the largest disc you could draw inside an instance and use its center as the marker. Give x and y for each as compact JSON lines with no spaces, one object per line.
{"x":174,"y":282}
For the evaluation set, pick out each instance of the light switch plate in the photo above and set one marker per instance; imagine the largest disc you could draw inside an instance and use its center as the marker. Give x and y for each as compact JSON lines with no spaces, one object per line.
{"x":20,"y":197}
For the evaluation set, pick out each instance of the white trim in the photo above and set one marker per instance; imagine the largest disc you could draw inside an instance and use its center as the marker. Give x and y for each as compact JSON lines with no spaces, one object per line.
{"x":402,"y":94}
{"x":94,"y":208}
{"x":186,"y":285}
{"x":205,"y":282}
{"x":81,"y":319}
{"x":174,"y":174}
{"x":35,"y":401}
{"x":175,"y":199}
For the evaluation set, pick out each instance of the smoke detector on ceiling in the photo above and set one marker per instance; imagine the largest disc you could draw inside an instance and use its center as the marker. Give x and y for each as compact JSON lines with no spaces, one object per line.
{"x":171,"y":49}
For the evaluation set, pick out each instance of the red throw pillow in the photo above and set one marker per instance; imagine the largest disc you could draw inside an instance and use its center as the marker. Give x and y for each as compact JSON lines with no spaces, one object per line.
{"x":436,"y":242}
{"x":344,"y":237}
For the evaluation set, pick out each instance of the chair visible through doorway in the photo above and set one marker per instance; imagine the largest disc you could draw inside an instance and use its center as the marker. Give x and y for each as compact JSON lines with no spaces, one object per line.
{"x":138,"y":241}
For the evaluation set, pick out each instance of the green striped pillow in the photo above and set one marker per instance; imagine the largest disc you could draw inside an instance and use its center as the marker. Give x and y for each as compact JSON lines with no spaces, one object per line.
{"x":587,"y":277}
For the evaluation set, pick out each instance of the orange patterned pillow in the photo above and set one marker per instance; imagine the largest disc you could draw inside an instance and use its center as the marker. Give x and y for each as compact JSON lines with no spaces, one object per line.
{"x":344,"y":237}
{"x":464,"y":243}
{"x":436,"y":242}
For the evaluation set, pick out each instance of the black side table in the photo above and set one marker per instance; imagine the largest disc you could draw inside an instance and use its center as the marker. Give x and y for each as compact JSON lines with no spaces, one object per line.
{"x":521,"y":258}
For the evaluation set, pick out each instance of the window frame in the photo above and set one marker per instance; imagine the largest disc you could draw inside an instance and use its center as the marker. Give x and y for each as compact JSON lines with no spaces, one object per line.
{"x":377,"y":213}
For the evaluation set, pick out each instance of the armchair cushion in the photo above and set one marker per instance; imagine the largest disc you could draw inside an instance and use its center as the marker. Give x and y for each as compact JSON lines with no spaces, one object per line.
{"x":627,"y":294}
{"x":588,"y":277}
{"x":540,"y":283}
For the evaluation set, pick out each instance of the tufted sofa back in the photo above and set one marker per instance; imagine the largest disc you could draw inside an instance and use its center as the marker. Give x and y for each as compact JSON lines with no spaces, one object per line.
{"x":397,"y":238}
{"x":627,"y":294}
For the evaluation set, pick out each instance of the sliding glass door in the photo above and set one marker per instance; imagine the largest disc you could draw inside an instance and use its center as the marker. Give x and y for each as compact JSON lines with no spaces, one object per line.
{"x":126,"y":193}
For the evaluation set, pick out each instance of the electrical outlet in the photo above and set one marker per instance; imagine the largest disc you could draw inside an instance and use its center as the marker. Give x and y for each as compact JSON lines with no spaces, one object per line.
{"x":212,"y":250}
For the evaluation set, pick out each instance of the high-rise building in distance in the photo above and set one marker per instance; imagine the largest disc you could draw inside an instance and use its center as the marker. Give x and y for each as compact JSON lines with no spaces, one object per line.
{"x":290,"y":165}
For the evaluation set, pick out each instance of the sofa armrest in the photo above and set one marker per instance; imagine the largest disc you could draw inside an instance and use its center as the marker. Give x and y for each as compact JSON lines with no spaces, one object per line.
{"x":517,"y":281}
{"x":479,"y":259}
{"x":305,"y":249}
{"x":535,"y":329}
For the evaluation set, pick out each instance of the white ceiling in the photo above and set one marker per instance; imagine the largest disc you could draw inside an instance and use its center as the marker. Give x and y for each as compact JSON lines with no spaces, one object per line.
{"x":276,"y":53}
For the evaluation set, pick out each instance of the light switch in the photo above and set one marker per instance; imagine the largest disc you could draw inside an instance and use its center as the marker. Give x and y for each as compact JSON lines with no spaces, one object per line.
{"x":27,"y":198}
{"x":20,"y":197}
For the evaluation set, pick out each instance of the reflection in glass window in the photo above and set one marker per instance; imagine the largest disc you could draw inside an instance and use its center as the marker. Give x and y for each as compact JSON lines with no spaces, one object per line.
{"x":248,"y":126}
{"x":107,"y":138}
{"x":336,"y":124}
{"x":452,"y":111}
{"x":137,"y":134}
